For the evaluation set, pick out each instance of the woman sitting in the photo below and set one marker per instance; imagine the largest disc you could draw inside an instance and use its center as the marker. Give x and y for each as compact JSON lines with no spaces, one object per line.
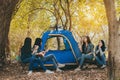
{"x":38,"y":56}
{"x":100,"y":54}
{"x":87,"y":52}
{"x":26,"y":51}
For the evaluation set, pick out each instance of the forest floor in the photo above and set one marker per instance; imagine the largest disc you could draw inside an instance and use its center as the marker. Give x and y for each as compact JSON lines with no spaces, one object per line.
{"x":14,"y":72}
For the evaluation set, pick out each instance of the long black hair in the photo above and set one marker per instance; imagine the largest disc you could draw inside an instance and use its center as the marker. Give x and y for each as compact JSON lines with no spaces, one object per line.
{"x":38,"y":42}
{"x":26,"y":48}
{"x":103,"y":47}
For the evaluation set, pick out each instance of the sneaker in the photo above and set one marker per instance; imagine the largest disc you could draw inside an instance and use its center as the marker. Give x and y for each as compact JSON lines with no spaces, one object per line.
{"x":58,"y":70}
{"x":49,"y":72}
{"x":61,"y":65}
{"x":103,"y":66}
{"x":29,"y":73}
{"x":77,"y":69}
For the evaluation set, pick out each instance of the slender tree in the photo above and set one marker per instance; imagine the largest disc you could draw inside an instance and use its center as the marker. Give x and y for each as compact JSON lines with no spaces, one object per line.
{"x":6,"y":10}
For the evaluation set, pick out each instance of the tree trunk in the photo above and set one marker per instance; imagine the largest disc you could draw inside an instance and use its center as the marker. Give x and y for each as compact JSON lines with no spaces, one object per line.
{"x":7,"y":50}
{"x":69,"y":15}
{"x":6,"y":10}
{"x":114,"y":40}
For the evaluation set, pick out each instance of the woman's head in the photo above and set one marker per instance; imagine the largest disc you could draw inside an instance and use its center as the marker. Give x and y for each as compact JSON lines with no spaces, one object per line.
{"x":38,"y":41}
{"x":26,"y":48}
{"x":86,"y":39}
{"x":102,"y":44}
{"x":27,"y":42}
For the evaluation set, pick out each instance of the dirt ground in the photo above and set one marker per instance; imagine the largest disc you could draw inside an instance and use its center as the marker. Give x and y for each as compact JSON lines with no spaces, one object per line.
{"x":15,"y":72}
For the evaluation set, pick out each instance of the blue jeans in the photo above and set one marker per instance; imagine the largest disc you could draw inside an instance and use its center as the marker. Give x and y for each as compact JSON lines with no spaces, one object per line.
{"x":37,"y":60}
{"x":84,"y":57}
{"x":52,"y":58}
{"x":41,"y":60}
{"x":101,"y":60}
{"x":27,"y":60}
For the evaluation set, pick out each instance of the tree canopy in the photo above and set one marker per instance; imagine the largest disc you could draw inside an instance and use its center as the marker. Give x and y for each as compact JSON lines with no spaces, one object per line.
{"x":82,"y":17}
{"x":99,"y":19}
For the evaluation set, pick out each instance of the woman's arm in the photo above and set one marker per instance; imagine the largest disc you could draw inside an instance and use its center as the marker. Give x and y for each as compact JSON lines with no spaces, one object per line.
{"x":101,"y":52}
{"x":91,"y":49}
{"x":80,"y":47}
{"x":42,"y":53}
{"x":35,"y":50}
{"x":97,"y":50}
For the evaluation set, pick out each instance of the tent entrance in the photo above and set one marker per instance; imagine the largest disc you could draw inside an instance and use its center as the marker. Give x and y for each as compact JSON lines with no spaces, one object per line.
{"x":68,"y":46}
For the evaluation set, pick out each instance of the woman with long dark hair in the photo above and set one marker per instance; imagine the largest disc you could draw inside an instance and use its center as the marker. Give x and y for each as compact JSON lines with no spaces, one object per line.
{"x":26,"y":51}
{"x":39,"y":57}
{"x":87,"y":52}
{"x":100,"y":54}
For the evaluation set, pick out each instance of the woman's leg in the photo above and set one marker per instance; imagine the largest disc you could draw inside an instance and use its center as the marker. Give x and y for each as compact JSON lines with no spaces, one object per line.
{"x":51,"y":58}
{"x":82,"y":60}
{"x":41,"y":63}
{"x":27,"y":60}
{"x":99,"y":61}
{"x":89,"y":56}
{"x":36,"y":60}
{"x":85,"y":56}
{"x":32,"y":59}
{"x":103,"y":59}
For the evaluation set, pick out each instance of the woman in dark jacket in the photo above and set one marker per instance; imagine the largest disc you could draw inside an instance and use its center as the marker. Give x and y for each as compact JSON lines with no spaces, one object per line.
{"x":100,"y":54}
{"x":87,"y":52}
{"x":26,"y":51}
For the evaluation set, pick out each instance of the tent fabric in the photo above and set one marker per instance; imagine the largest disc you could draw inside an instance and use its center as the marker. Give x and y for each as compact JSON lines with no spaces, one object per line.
{"x":62,"y":56}
{"x":67,"y":55}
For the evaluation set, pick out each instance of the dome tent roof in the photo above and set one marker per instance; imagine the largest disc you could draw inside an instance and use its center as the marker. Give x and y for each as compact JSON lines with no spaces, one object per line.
{"x":70,"y":44}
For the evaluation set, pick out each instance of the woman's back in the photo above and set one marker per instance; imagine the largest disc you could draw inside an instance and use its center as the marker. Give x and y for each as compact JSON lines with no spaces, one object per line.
{"x":26,"y":51}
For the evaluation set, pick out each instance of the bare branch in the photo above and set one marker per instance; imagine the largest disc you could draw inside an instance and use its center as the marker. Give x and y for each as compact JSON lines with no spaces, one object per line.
{"x":93,"y":36}
{"x":65,"y":25}
{"x":57,"y":10}
{"x":41,"y":8}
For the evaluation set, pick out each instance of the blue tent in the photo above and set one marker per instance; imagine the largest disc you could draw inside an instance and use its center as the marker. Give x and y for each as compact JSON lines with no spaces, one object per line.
{"x":71,"y":53}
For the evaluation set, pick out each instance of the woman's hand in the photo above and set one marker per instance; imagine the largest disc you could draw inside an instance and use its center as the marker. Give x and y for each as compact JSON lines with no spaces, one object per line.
{"x":47,"y":50}
{"x":97,"y":51}
{"x":100,"y":45}
{"x":41,"y":53}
